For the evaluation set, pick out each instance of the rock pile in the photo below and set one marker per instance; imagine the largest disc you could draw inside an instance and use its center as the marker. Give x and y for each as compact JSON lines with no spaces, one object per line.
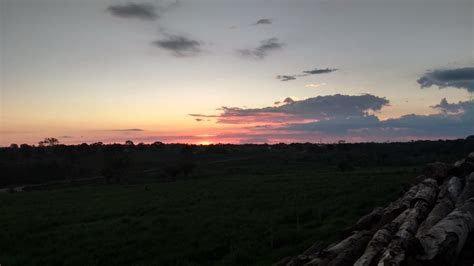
{"x":428,"y":225}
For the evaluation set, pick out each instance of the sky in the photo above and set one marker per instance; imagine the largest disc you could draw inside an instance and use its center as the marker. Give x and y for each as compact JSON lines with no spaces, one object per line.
{"x":222,"y":71}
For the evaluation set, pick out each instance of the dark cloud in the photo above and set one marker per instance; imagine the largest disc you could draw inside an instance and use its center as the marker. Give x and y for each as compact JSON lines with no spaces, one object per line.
{"x":286,"y":77}
{"x":144,"y":11}
{"x":338,"y":125}
{"x":305,"y":73}
{"x":263,"y":21}
{"x":201,"y":115}
{"x":202,"y":120}
{"x":461,"y":78}
{"x":348,"y":117}
{"x":311,"y":109}
{"x":441,"y":125}
{"x":127,"y":130}
{"x":179,"y":45}
{"x":288,"y":100}
{"x":319,"y":71}
{"x":261,"y":51}
{"x":446,"y":107}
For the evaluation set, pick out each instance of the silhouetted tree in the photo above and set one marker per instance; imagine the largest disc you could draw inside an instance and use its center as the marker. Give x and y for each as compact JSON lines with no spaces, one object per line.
{"x":25,"y":150}
{"x":48,"y":142}
{"x":129,"y":143}
{"x":13,"y":146}
{"x":141,"y":146}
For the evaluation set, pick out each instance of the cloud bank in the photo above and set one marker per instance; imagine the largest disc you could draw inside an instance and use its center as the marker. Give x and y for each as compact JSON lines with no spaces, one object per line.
{"x":351,"y":117}
{"x":454,"y":120}
{"x":311,"y":109}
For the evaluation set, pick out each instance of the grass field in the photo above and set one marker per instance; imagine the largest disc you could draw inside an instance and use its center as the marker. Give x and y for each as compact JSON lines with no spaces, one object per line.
{"x":235,"y":212}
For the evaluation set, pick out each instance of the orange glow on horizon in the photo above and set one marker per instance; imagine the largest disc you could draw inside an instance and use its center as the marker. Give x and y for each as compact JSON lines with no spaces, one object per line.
{"x":205,"y":135}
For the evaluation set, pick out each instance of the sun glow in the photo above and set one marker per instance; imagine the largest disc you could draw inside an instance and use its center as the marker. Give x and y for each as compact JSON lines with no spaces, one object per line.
{"x":204,"y":143}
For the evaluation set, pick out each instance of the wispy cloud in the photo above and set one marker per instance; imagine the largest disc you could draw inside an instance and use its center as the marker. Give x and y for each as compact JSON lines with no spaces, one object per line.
{"x":304,"y":73}
{"x":461,"y":78}
{"x":319,"y":71}
{"x":126,"y":130}
{"x":144,"y":11}
{"x":179,"y":45}
{"x":286,"y":77}
{"x":201,"y":115}
{"x":263,"y":21}
{"x":263,"y":50}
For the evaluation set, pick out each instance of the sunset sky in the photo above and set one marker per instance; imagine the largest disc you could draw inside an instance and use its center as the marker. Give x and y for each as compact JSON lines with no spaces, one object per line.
{"x":209,"y":71}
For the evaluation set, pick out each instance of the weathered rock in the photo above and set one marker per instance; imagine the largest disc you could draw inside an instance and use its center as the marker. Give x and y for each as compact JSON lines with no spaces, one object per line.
{"x":390,"y":242}
{"x":344,"y":252}
{"x":427,"y":192}
{"x":404,"y":239}
{"x":437,"y":171}
{"x":444,"y":241}
{"x":471,"y":156}
{"x":305,"y":257}
{"x":462,"y":168}
{"x":284,"y":261}
{"x":380,"y":240}
{"x":395,"y":208}
{"x":419,"y":179}
{"x":369,"y":221}
{"x":354,"y":249}
{"x":468,"y":191}
{"x":444,"y":205}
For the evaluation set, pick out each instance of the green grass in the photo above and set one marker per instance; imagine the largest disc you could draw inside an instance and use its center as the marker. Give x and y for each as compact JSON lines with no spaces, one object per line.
{"x":233,"y":213}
